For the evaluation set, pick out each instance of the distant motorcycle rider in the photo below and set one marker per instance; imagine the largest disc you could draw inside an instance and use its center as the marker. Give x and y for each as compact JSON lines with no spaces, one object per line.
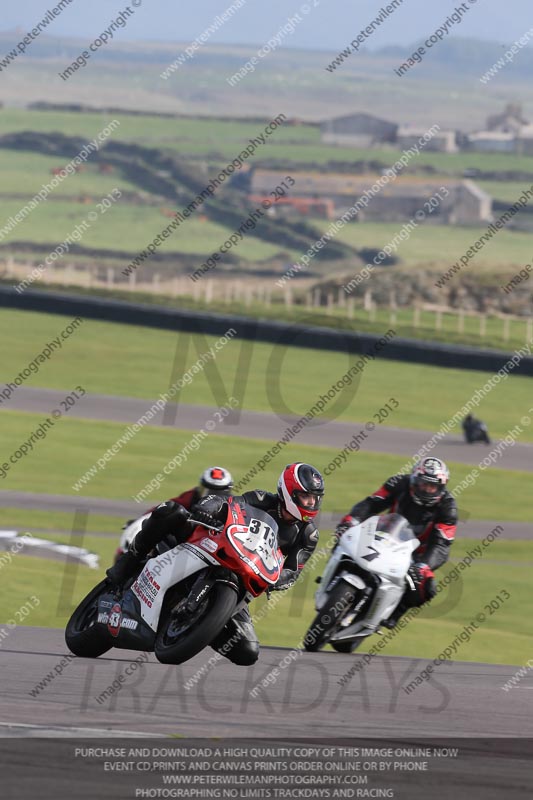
{"x":475,"y":430}
{"x":422,"y":498}
{"x":297,"y":502}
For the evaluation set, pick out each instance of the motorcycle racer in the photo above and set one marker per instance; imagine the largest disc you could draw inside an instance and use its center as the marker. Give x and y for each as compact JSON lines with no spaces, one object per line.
{"x":475,"y":430}
{"x":422,"y":498}
{"x":214,"y":480}
{"x":297,"y":502}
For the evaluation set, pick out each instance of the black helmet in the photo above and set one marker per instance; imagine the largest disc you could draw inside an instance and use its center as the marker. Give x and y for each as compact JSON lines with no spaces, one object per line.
{"x":216,"y":480}
{"x":428,"y":481}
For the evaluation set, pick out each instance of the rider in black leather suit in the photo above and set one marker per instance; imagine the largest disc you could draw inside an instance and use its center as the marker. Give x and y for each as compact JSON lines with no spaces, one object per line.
{"x":431,"y":510}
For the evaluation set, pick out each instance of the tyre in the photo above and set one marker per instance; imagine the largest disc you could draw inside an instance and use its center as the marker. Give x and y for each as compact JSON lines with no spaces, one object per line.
{"x":182,"y":635}
{"x":83,"y":637}
{"x":347,"y":647}
{"x":325,"y":623}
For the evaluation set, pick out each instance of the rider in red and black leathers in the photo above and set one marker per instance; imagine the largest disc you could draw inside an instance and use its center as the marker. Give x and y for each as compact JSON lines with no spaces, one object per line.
{"x":214,"y":480}
{"x":300,"y":492}
{"x":423,"y":500}
{"x":297,"y":539}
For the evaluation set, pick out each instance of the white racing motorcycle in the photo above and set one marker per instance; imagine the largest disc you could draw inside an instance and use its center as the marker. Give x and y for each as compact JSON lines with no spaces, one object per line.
{"x":363,"y":582}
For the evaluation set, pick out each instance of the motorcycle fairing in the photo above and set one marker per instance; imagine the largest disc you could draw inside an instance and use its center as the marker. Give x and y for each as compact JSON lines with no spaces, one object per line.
{"x":122,"y":621}
{"x":382,"y":605}
{"x":249,"y":538}
{"x":256,"y":551}
{"x":385,"y":554}
{"x":207,"y":547}
{"x":162,"y":572}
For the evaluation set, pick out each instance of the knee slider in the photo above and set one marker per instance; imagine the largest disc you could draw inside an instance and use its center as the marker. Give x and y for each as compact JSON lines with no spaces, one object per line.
{"x":245,"y":654}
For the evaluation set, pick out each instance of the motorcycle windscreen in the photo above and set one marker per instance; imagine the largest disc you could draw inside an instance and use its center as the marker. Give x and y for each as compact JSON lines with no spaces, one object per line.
{"x":395,"y":527}
{"x":385,"y":545}
{"x":257,"y":544}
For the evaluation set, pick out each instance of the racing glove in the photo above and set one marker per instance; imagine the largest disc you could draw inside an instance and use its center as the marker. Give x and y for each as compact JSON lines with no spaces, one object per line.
{"x":286,"y":580}
{"x":422,"y":582}
{"x":345,"y":523}
{"x":204,"y":518}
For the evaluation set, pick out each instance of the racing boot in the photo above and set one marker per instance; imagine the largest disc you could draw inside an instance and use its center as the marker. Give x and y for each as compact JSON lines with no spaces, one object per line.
{"x":124,"y":567}
{"x":394,"y":618}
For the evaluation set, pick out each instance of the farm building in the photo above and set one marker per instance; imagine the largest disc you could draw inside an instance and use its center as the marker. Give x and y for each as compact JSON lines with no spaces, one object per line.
{"x":396,"y":201}
{"x":491,"y":142}
{"x":358,"y":130}
{"x":441,"y":142}
{"x":524,"y":141}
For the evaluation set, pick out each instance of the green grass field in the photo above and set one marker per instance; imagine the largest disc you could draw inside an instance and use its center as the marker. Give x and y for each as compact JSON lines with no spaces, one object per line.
{"x":26,"y":172}
{"x":197,"y":138}
{"x":217,"y":142}
{"x":440,"y":246}
{"x":156,"y":131}
{"x":505,"y":191}
{"x":278,"y":380}
{"x":126,"y":227}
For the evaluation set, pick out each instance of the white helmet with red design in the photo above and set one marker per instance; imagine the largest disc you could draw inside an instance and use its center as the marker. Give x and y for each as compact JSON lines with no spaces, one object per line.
{"x":301,"y":489}
{"x":216,"y":480}
{"x":428,"y":481}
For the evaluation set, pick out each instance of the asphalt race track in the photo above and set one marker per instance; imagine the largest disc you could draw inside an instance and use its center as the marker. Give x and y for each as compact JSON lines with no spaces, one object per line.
{"x":462,"y":700}
{"x":269,"y":426}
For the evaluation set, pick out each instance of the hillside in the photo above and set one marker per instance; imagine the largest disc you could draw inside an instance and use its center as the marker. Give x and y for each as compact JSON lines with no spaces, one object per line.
{"x":295,"y":81}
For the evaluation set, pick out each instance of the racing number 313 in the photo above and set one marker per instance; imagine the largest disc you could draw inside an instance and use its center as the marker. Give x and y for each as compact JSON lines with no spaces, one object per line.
{"x":263,"y":530}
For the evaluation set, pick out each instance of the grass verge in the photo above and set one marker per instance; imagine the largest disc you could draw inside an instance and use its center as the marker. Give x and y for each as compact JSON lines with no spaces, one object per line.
{"x":274,"y":379}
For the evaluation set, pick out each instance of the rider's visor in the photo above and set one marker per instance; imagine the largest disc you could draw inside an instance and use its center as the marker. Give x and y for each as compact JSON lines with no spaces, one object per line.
{"x":307,"y":500}
{"x":430,"y":488}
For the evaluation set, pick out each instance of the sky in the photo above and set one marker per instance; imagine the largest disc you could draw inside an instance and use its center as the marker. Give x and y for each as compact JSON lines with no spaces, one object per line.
{"x":327,"y":24}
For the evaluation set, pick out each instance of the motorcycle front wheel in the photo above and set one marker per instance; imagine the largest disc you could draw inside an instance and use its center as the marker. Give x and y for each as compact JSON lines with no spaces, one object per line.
{"x":183,"y":634}
{"x":83,"y":636}
{"x":326,"y":621}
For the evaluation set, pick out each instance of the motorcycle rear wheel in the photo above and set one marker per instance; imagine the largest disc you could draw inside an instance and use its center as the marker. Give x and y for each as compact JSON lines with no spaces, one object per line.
{"x":83,"y":637}
{"x":324,"y":624}
{"x":177,"y":641}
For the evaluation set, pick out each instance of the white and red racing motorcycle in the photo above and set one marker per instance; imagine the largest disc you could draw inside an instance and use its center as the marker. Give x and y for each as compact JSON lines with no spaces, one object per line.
{"x":182,"y":598}
{"x":363,"y":582}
